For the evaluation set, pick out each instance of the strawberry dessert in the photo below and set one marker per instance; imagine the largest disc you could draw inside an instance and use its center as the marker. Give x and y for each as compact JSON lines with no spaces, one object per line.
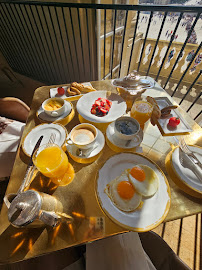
{"x":101,"y":107}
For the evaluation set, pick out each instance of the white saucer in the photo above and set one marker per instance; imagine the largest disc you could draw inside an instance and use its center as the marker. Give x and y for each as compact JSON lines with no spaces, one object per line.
{"x":43,"y":116}
{"x":122,"y":143}
{"x":99,"y":144}
{"x":46,"y":130}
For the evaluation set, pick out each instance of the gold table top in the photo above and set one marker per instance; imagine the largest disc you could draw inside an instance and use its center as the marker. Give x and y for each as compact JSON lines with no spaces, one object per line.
{"x":79,"y":196}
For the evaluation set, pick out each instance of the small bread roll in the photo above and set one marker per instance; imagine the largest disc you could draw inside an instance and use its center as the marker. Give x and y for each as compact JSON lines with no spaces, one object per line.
{"x":72,"y":91}
{"x":78,"y":86}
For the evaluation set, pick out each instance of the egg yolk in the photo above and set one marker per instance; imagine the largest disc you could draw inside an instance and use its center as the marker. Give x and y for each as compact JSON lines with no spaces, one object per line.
{"x":138,"y":174}
{"x":125,"y":190}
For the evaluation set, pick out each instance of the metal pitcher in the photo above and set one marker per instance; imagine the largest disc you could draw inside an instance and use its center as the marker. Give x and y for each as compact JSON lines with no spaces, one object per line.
{"x":34,"y":209}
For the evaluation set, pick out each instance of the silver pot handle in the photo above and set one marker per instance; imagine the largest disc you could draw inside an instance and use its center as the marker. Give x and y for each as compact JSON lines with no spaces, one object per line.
{"x":8,"y":199}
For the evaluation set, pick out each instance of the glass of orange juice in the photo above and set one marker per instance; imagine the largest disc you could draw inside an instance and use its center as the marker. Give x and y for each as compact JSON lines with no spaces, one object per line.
{"x":141,"y":111}
{"x":52,"y":162}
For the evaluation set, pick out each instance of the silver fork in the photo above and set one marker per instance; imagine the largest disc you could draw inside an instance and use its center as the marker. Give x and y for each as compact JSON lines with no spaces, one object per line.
{"x":187,"y":151}
{"x":184,"y":160}
{"x":52,"y":138}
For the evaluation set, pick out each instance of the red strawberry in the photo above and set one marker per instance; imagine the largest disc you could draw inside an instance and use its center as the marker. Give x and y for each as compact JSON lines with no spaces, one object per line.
{"x":61,"y":91}
{"x":174,"y":121}
{"x":93,"y":111}
{"x":103,"y":110}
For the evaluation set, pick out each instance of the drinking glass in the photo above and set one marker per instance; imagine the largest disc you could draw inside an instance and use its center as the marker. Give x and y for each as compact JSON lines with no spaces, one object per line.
{"x":52,"y":162}
{"x":141,"y":111}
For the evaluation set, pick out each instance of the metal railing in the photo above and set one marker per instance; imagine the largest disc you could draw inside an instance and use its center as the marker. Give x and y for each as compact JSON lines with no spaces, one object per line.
{"x":57,"y":42}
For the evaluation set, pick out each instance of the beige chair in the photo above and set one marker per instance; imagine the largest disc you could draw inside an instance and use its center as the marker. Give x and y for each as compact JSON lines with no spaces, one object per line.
{"x":14,"y":108}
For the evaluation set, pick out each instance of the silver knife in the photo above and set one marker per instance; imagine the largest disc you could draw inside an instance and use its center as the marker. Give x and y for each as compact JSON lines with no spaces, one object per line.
{"x":187,"y":162}
{"x":30,"y":167}
{"x":191,"y":155}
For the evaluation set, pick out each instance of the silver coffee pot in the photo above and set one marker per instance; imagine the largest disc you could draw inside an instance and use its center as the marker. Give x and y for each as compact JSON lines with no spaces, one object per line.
{"x":35,"y":209}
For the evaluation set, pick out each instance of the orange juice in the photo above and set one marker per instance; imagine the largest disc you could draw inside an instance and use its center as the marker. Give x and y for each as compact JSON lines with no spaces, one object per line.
{"x":66,"y":178}
{"x":51,"y":161}
{"x":141,"y":111}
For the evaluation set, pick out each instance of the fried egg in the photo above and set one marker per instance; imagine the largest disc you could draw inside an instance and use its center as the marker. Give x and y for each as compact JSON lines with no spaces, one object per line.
{"x":123,"y":194}
{"x":144,"y":179}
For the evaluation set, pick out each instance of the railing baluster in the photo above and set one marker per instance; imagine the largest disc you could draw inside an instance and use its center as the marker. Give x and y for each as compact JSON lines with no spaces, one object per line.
{"x":169,"y":45}
{"x":50,"y":77}
{"x":123,"y":40}
{"x":197,"y":115}
{"x":199,"y":47}
{"x":52,"y":65}
{"x":134,"y":36}
{"x":160,"y":31}
{"x":182,"y":49}
{"x":28,"y":45}
{"x":90,"y":64}
{"x":78,"y":15}
{"x":145,"y":39}
{"x":63,"y":46}
{"x":72,"y":25}
{"x":196,"y":79}
{"x":32,"y":40}
{"x":113,"y":42}
{"x":67,"y":37}
{"x":10,"y":58}
{"x":194,"y":102}
{"x":104,"y":39}
{"x":19,"y":41}
{"x":58,"y":47}
{"x":53,"y":49}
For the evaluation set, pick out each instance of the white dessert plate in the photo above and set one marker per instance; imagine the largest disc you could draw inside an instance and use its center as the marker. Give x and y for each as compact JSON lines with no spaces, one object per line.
{"x":182,"y":128}
{"x":43,"y":116}
{"x":185,"y":174}
{"x":154,"y":209}
{"x":85,"y":103}
{"x":98,"y":146}
{"x":122,"y":143}
{"x":46,"y":130}
{"x":54,"y":92}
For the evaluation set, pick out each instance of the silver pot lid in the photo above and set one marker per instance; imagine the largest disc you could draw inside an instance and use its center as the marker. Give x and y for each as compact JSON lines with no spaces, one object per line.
{"x":24,"y":208}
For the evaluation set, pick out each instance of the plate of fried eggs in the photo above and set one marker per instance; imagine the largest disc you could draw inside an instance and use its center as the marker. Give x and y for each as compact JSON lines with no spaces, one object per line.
{"x":133,"y":192}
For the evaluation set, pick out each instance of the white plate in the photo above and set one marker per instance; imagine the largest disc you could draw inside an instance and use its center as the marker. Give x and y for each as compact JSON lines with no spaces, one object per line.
{"x":99,"y":144}
{"x":186,"y":175}
{"x":42,"y":115}
{"x":182,"y":128}
{"x":121,"y":143}
{"x":154,"y":209}
{"x":85,"y":103}
{"x":45,"y":130}
{"x":54,"y":92}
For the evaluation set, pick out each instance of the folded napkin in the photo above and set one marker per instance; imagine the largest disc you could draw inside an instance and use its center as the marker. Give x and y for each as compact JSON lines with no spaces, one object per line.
{"x":10,"y":134}
{"x":10,"y":130}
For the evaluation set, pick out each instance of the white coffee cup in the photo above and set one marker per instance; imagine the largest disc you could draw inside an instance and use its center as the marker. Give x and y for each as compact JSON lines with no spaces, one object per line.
{"x":57,"y":112}
{"x":83,"y":136}
{"x":126,"y":128}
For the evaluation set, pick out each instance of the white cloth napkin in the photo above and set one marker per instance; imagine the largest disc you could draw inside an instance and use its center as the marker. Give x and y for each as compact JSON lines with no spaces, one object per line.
{"x":12,"y":131}
{"x":9,"y":141}
{"x":121,"y":252}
